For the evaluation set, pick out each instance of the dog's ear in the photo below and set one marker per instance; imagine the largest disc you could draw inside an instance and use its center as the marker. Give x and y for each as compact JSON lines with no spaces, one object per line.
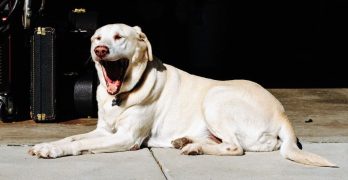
{"x":142,"y":37}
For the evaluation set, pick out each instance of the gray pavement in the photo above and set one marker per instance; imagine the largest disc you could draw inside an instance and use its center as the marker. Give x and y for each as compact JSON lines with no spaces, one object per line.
{"x":158,"y":163}
{"x":15,"y":163}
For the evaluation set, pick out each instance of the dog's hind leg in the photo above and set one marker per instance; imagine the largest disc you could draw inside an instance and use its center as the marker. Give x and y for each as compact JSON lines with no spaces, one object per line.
{"x":181,"y":142}
{"x":189,"y":146}
{"x":222,"y":149}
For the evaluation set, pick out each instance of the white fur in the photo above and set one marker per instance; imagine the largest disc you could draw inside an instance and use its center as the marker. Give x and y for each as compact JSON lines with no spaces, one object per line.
{"x":169,"y":103}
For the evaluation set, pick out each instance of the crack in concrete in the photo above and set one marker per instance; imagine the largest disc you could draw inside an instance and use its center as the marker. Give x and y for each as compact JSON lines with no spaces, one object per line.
{"x":158,"y":163}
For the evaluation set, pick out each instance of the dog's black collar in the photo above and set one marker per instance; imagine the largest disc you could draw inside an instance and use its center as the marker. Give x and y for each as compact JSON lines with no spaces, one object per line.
{"x":116,"y":102}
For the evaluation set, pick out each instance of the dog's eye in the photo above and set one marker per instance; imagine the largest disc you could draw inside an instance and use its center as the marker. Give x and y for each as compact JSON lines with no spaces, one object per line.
{"x":98,"y":38}
{"x":117,"y":36}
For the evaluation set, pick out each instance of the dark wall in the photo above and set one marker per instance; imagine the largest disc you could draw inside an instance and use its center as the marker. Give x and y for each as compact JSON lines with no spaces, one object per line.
{"x":278,"y":44}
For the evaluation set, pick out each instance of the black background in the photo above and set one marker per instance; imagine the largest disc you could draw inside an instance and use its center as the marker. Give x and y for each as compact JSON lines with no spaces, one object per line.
{"x":278,"y":44}
{"x":287,"y":44}
{"x":290,"y":44}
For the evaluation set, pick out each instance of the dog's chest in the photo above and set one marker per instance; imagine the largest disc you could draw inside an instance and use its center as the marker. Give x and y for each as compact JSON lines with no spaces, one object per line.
{"x":109,"y":113}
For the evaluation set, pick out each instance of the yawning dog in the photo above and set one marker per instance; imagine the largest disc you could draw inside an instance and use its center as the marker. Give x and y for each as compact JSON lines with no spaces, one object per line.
{"x":142,"y":101}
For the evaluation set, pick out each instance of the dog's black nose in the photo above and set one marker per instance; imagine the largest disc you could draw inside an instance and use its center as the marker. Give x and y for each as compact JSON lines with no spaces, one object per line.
{"x":101,"y":51}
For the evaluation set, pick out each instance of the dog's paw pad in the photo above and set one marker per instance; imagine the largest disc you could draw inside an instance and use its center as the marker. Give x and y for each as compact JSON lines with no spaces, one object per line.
{"x":181,"y":142}
{"x":195,"y":152}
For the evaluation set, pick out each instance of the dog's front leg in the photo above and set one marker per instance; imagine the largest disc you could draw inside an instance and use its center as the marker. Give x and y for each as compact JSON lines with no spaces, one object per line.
{"x":53,"y":149}
{"x":93,"y":134}
{"x":121,"y":141}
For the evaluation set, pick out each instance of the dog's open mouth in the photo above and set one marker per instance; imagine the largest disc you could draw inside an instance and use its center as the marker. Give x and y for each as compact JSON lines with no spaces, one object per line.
{"x":114,"y":72}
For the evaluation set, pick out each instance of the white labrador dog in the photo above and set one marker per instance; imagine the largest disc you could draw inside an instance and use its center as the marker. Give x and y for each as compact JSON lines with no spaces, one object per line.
{"x":142,"y":101}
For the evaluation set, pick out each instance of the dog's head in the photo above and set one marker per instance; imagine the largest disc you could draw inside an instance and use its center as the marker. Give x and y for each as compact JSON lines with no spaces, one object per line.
{"x":121,"y":54}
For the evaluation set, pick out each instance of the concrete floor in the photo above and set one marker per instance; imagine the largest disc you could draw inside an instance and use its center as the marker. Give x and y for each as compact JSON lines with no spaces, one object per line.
{"x":327,"y":108}
{"x":326,"y":134}
{"x":161,"y":163}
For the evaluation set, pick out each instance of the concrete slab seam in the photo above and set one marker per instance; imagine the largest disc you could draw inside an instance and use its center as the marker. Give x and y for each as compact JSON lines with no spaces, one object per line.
{"x":158,"y":163}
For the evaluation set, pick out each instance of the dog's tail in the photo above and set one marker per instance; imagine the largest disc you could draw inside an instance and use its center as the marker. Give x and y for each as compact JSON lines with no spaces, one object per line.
{"x":291,"y":151}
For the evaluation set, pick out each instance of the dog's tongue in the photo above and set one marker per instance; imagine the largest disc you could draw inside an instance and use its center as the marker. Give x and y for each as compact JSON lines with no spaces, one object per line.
{"x":112,"y":86}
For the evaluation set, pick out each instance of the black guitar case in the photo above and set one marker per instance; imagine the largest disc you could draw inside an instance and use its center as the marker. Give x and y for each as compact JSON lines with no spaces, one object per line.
{"x":43,"y":75}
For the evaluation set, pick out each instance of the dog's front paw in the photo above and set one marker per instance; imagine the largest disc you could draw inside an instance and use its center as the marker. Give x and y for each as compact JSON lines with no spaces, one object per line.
{"x":46,"y":150}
